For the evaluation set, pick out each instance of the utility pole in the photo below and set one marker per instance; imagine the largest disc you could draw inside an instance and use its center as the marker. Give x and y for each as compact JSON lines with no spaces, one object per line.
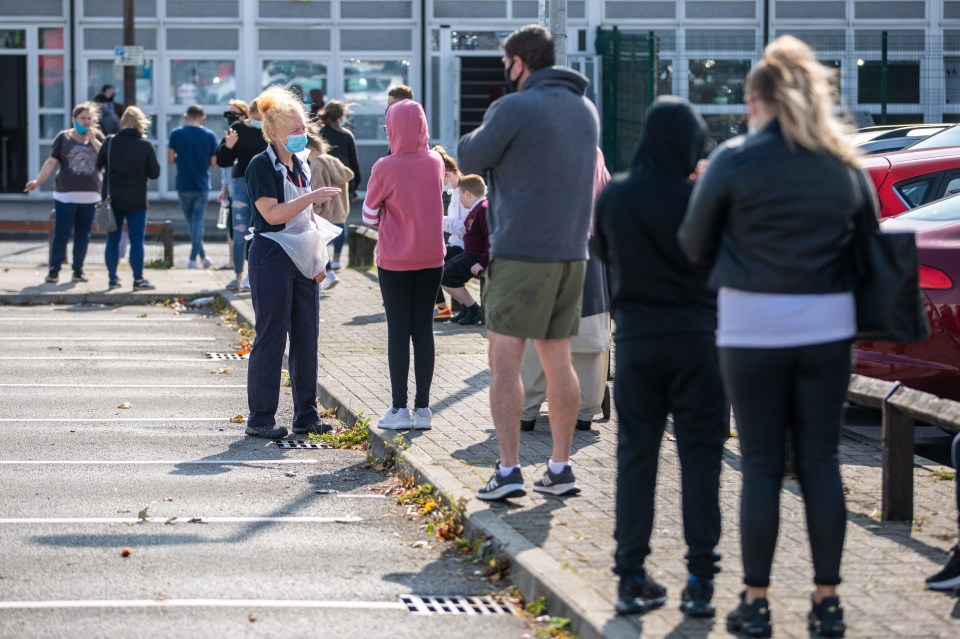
{"x":129,"y":72}
{"x":558,"y":26}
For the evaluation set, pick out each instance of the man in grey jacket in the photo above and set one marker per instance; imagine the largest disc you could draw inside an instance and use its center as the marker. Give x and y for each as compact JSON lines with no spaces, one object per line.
{"x":537,"y":147}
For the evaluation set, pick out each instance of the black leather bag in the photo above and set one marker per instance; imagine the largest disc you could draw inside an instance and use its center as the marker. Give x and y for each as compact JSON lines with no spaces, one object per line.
{"x":105,"y":221}
{"x":887,"y":291}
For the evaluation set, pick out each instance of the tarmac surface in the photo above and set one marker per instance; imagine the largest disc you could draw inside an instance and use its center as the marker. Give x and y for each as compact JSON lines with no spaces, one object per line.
{"x":562,"y":548}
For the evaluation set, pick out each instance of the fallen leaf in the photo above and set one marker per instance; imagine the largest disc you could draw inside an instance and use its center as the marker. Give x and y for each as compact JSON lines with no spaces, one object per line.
{"x":125,"y":405}
{"x":195,"y":520}
{"x":237,"y":419}
{"x":143,"y":515}
{"x":141,"y":316}
{"x":125,"y":552}
{"x":252,"y":618}
{"x":169,"y":521}
{"x":243,"y":351}
{"x":168,"y":499}
{"x":420,"y":544}
{"x":220,"y":371}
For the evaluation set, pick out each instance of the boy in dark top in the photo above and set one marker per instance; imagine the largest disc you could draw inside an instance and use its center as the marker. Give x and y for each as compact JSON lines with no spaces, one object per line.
{"x":476,"y":250}
{"x":193,"y":148}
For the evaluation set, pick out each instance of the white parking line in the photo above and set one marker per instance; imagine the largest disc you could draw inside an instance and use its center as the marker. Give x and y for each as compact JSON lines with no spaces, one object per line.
{"x":74,"y":420}
{"x":205,"y":603}
{"x":153,"y":462}
{"x":115,"y":359}
{"x":183,"y":519}
{"x":123,"y":385}
{"x":99,"y":320}
{"x":104,"y":338}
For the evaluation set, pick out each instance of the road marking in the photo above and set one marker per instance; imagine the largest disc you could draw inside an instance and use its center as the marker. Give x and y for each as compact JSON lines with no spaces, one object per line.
{"x":101,"y":320}
{"x":103,"y":338}
{"x":182,"y":520}
{"x":123,"y":385}
{"x":205,"y":603}
{"x":111,"y":359}
{"x":74,"y":420}
{"x":154,"y":462}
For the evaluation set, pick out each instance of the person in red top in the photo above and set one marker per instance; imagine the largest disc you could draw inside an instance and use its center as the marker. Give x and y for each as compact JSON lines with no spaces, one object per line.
{"x":476,"y":250}
{"x":405,"y":202}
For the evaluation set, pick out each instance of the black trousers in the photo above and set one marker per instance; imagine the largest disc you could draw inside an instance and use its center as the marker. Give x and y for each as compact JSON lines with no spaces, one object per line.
{"x":408,"y":298}
{"x":655,"y":376}
{"x":804,"y":387}
{"x":284,"y":301}
{"x":452,"y":251}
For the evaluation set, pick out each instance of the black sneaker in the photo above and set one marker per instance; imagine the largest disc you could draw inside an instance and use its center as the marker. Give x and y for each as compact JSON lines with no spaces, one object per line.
{"x":143,"y":285}
{"x":52,"y":277}
{"x":455,"y":319}
{"x":696,"y":598}
{"x":637,"y":595}
{"x":526,"y":425}
{"x":79,"y":277}
{"x":949,"y":577}
{"x":317,"y":429}
{"x":562,"y":484}
{"x":584,"y":424}
{"x":826,"y":618}
{"x":471,"y":316}
{"x":503,"y":487}
{"x":267,"y":432}
{"x":112,"y":284}
{"x":751,"y":620}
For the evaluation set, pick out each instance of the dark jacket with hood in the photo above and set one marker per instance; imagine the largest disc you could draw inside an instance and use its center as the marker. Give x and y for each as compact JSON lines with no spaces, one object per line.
{"x":655,"y":289}
{"x":343,"y":146}
{"x":132,"y":162}
{"x":537,"y":149}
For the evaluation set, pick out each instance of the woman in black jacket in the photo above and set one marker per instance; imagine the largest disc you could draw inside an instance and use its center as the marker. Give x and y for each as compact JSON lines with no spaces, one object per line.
{"x":129,"y":160}
{"x":773,"y":214}
{"x":344,"y":148}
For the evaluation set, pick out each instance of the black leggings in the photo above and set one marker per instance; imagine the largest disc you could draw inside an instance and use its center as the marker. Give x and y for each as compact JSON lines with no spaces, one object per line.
{"x":408,"y":298}
{"x":804,"y":387}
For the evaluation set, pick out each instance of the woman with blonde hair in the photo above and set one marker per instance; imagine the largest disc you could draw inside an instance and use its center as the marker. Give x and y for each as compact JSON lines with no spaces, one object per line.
{"x":129,"y":161}
{"x":287,"y":260}
{"x":786,"y":318}
{"x":73,"y":157}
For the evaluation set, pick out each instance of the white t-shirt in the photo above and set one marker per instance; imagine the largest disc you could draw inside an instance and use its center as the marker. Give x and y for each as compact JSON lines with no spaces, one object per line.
{"x":746,"y":319}
{"x":77,"y":197}
{"x":454,"y":219}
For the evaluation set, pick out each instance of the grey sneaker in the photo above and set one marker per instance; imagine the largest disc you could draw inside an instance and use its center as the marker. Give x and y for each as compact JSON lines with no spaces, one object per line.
{"x":503,"y":487}
{"x":267,"y":432}
{"x":52,"y":277}
{"x":233,"y":286}
{"x":317,"y":429}
{"x":561,"y":485}
{"x":143,"y":285}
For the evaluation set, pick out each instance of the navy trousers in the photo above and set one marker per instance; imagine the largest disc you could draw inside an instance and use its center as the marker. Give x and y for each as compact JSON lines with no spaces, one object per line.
{"x":285,"y":302}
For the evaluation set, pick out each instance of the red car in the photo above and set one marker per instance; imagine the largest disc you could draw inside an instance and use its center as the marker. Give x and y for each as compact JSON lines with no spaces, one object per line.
{"x":932,"y":365}
{"x":914,"y":177}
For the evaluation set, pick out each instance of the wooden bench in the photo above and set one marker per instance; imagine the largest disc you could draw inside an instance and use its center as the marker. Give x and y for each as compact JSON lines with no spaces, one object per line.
{"x":163,"y":229}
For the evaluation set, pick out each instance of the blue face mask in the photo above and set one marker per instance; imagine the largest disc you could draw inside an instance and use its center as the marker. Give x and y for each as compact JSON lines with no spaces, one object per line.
{"x":257,"y":124}
{"x":296,"y":143}
{"x":82,"y":130}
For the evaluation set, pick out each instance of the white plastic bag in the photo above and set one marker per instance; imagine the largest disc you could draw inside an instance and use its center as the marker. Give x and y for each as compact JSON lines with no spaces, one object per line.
{"x":305,"y":242}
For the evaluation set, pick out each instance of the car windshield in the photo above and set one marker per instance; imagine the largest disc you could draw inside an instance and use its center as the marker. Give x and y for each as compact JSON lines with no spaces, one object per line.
{"x":947,"y":137}
{"x":945,"y":210}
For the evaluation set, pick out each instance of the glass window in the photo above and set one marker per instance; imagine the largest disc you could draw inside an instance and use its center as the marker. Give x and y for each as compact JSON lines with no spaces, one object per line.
{"x":665,"y":77}
{"x":943,"y":210}
{"x":365,"y":82}
{"x":202,"y":81}
{"x":916,"y":192}
{"x":718,"y":81}
{"x":369,"y":127}
{"x":51,"y":81}
{"x":13,"y":39}
{"x":51,"y":38}
{"x":50,"y":125}
{"x":903,"y":82}
{"x":101,"y":72}
{"x":953,"y":187}
{"x":477,"y":40}
{"x":300,"y":76}
{"x":724,"y":126}
{"x":951,"y":67}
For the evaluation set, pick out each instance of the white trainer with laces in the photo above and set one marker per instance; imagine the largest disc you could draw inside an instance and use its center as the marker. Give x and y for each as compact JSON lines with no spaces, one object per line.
{"x":395,"y":419}
{"x":422,"y":418}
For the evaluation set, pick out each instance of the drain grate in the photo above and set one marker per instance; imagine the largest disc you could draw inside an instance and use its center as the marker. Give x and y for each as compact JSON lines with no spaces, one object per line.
{"x":299,"y":443}
{"x":455,"y":605}
{"x":225,"y":356}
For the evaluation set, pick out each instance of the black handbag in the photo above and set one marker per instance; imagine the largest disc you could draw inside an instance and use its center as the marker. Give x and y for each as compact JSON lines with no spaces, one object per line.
{"x":889,"y":304}
{"x":106,"y":221}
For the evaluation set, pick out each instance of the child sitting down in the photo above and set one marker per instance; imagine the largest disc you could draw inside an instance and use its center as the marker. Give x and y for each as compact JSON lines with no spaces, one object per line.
{"x":476,"y":250}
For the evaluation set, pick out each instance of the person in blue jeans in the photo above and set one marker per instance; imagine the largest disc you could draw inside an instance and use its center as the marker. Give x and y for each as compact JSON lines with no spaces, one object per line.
{"x":73,"y":157}
{"x":949,"y":577}
{"x":130,"y":161}
{"x":193,"y":147}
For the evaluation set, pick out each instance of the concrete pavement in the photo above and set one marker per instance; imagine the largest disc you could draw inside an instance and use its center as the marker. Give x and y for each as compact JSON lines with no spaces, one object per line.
{"x":563,"y":548}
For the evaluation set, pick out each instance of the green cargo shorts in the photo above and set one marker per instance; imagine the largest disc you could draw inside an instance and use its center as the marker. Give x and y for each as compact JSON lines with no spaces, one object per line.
{"x":534,"y":300}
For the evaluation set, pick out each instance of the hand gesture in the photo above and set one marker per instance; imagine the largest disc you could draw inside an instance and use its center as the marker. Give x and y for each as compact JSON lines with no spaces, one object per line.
{"x":32,"y":185}
{"x":476,"y":269}
{"x":323,"y":194}
{"x":319,"y":278}
{"x":230,"y":138}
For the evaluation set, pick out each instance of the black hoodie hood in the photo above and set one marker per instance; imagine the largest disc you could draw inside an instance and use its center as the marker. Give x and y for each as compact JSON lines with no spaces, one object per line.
{"x":674,"y":138}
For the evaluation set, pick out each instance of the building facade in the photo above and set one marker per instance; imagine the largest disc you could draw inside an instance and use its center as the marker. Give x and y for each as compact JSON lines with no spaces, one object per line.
{"x":54,"y":53}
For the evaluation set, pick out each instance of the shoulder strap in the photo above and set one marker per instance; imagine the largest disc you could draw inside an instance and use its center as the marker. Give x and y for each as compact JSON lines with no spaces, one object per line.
{"x":109,"y":147}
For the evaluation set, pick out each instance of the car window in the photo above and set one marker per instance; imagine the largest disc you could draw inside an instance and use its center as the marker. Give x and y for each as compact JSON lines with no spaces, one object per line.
{"x":947,"y":137}
{"x":953,"y":186}
{"x":916,"y":192}
{"x":944,"y":210}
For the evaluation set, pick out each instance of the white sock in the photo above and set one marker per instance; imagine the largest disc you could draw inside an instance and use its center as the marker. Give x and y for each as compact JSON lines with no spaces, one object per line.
{"x":557,"y":467}
{"x":506,"y":470}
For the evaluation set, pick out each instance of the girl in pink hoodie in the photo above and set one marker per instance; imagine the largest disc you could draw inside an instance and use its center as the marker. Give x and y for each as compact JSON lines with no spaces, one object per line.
{"x":404,"y":201}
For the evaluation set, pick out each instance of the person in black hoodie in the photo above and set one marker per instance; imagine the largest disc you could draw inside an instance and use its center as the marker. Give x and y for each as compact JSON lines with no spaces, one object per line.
{"x":666,"y":360}
{"x":129,"y":161}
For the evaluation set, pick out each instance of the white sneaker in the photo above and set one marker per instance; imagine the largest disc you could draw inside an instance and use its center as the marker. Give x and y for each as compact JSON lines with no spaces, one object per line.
{"x":329,"y":281}
{"x":335,"y":265}
{"x":207,"y":263}
{"x":192,"y":264}
{"x":395,"y":419}
{"x":422,"y":418}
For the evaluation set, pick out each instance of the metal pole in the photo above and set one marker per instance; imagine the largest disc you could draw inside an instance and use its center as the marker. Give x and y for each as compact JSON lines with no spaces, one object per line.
{"x":651,"y":67}
{"x":558,"y":27}
{"x":542,"y":13}
{"x":884,"y":71}
{"x":129,"y":72}
{"x":766,"y":22}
